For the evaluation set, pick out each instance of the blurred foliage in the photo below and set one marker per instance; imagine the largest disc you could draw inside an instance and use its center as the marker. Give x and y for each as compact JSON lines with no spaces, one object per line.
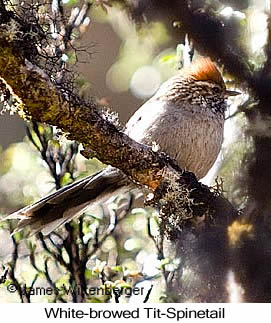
{"x":116,"y":242}
{"x":110,"y":241}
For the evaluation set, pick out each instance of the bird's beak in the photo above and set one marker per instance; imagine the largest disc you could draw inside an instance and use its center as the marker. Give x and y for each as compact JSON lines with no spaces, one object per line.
{"x":231,"y":93}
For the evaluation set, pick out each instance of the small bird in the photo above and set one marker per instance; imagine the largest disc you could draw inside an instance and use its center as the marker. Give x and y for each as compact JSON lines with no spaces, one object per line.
{"x":185,"y":118}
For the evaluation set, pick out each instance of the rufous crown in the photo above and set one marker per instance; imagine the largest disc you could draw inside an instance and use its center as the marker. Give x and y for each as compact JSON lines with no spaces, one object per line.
{"x":204,"y":69}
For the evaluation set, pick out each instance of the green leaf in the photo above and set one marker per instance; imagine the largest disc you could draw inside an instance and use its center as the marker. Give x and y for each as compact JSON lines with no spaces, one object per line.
{"x":7,"y":282}
{"x":163,"y":263}
{"x":117,"y":269}
{"x":167,"y":58}
{"x":89,"y":274}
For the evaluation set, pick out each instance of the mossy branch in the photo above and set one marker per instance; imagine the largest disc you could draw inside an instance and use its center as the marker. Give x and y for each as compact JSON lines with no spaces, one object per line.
{"x":192,"y":215}
{"x":42,"y":100}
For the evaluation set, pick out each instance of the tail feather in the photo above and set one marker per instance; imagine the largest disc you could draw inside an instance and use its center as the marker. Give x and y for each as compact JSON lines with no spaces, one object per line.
{"x":72,"y":200}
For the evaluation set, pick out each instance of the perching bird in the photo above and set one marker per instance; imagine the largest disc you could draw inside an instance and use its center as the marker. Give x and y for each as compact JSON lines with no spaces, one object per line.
{"x":185,"y":118}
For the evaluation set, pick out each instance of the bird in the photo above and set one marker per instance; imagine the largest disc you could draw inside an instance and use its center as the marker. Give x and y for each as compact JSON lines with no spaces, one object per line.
{"x":184,"y":118}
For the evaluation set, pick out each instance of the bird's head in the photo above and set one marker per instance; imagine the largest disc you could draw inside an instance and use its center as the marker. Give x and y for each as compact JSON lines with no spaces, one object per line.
{"x":201,"y":83}
{"x":207,"y":77}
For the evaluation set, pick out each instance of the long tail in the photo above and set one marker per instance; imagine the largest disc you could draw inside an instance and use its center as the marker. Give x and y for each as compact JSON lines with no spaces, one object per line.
{"x":61,"y":206}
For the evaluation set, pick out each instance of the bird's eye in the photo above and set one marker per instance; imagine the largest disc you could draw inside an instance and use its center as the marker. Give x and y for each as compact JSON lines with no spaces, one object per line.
{"x":216,"y":89}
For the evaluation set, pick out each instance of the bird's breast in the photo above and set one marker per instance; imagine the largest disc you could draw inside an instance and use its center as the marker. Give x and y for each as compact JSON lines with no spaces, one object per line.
{"x":190,"y":134}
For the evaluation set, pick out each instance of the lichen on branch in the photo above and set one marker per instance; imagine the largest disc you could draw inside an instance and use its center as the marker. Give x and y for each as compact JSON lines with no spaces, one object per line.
{"x":42,"y":99}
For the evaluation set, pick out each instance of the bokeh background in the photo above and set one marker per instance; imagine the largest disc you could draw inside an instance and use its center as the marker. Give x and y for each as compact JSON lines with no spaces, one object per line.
{"x":125,"y":67}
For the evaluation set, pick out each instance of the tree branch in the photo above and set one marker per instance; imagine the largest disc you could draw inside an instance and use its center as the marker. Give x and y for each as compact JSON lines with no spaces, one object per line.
{"x":184,"y":203}
{"x":43,"y":101}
